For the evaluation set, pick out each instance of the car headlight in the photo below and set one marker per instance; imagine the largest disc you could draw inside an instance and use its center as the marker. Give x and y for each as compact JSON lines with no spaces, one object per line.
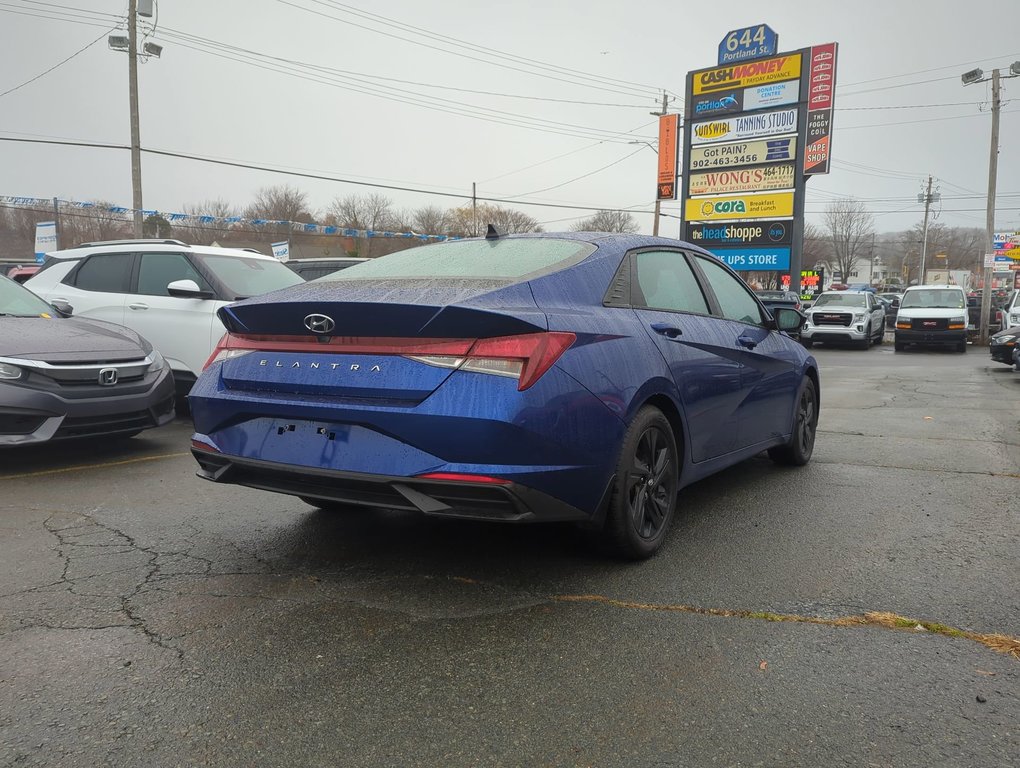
{"x":9,"y":372}
{"x":157,"y":361}
{"x":859,"y":317}
{"x":1005,"y":339}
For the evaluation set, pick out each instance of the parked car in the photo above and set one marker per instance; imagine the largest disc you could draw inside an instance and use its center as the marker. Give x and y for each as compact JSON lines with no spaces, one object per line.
{"x":64,"y":377}
{"x":311,"y":269}
{"x":932,"y":315}
{"x":773,"y":299}
{"x":892,"y":306}
{"x":1003,"y":344}
{"x":1010,"y":311}
{"x":165,"y":290}
{"x":578,"y":377}
{"x":845,"y":317}
{"x":20,"y":274}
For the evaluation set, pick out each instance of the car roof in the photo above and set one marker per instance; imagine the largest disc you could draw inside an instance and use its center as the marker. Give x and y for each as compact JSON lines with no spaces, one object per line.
{"x":154,"y":246}
{"x":934,"y":286}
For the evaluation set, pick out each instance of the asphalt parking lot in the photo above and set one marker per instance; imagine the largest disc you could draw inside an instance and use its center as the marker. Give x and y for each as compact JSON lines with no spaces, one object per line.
{"x":858,"y":611}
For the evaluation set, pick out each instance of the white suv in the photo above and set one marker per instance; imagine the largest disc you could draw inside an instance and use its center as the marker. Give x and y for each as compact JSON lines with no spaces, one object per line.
{"x":165,"y":290}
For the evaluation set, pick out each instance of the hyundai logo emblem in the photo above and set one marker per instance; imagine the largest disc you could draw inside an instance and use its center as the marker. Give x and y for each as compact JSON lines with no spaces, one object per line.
{"x":319,"y":323}
{"x":108,"y":376}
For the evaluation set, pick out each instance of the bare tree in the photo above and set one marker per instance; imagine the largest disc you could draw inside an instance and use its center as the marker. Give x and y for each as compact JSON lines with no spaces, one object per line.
{"x":368,"y":212}
{"x":850,"y":230}
{"x":430,"y":220}
{"x":92,"y":223}
{"x":213,"y":228}
{"x":280,"y":203}
{"x":464,"y":222}
{"x":607,"y":221}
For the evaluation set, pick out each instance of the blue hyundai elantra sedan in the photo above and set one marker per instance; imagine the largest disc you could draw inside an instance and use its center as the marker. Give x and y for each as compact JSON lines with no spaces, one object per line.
{"x":581,"y":377}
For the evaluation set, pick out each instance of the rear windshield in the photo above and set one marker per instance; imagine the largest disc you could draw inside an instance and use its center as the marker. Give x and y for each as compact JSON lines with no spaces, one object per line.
{"x":505,"y":259}
{"x":934,"y":298}
{"x":249,"y":277}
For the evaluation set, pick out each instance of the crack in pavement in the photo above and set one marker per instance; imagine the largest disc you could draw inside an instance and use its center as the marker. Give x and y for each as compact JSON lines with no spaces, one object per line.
{"x":942,"y":470}
{"x":997,"y":642}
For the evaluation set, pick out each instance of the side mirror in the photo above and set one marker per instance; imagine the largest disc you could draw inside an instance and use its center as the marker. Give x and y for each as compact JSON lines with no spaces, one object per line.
{"x":788,"y":319}
{"x":63,"y":308}
{"x":187,"y":289}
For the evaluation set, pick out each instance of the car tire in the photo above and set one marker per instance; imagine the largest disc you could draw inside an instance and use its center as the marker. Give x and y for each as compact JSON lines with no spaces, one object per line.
{"x":797,"y":452}
{"x":898,"y":346}
{"x":961,"y":347}
{"x":880,"y":337}
{"x":644,"y":497}
{"x":808,"y":343}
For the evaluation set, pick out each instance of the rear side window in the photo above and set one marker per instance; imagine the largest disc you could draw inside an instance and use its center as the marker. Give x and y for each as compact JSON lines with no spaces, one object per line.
{"x":664,"y":280}
{"x":736,"y":302}
{"x":504,"y":259}
{"x":157,"y":270}
{"x":105,"y":272}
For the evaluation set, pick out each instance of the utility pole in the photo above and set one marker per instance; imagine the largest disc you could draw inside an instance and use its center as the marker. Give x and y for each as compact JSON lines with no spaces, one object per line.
{"x":927,"y":197}
{"x":655,"y":223}
{"x":968,"y":78}
{"x":993,"y":171}
{"x":136,"y":150}
{"x":474,"y":210}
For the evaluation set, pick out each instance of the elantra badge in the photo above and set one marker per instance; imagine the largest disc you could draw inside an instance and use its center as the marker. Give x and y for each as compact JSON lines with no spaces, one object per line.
{"x":319,"y":323}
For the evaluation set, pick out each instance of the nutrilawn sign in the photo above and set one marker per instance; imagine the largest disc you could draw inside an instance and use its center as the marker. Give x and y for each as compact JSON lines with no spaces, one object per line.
{"x":756,"y":128}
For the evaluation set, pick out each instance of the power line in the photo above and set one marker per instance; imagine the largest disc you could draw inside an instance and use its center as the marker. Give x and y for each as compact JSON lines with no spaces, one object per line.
{"x":58,"y":64}
{"x":485,"y":50}
{"x":185,"y":36}
{"x":582,"y":176}
{"x":451,"y":107}
{"x":603,"y":87}
{"x":315,"y":176}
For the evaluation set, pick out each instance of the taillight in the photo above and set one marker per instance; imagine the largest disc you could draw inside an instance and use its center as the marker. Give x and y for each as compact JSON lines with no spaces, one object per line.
{"x":524,"y":357}
{"x":225,"y":350}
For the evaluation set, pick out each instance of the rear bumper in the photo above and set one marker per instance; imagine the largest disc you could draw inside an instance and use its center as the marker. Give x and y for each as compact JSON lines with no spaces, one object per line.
{"x":509,"y":502}
{"x":931,"y":337}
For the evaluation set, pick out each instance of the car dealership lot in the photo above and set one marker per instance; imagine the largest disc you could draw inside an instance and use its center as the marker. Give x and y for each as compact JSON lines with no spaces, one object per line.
{"x":148,"y":617}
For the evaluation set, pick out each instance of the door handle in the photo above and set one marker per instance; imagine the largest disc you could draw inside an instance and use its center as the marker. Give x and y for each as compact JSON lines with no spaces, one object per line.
{"x":667,"y":330}
{"x":138,"y":305}
{"x":747,"y":341}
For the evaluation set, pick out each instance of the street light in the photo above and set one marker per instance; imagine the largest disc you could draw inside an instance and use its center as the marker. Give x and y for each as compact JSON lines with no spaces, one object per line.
{"x":657,"y":213}
{"x":977,"y":76}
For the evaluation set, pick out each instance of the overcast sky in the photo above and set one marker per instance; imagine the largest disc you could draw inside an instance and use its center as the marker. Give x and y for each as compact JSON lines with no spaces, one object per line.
{"x":583,"y":74}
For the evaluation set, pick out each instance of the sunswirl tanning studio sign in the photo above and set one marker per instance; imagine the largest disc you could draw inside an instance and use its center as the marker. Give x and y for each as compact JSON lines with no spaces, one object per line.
{"x":747,"y":126}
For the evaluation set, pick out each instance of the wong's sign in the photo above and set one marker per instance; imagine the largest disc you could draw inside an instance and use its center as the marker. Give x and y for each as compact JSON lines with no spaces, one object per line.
{"x":742,"y":180}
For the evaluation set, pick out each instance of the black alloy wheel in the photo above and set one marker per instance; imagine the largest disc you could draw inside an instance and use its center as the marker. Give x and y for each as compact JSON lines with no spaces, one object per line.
{"x":645,"y":488}
{"x":798,"y":451}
